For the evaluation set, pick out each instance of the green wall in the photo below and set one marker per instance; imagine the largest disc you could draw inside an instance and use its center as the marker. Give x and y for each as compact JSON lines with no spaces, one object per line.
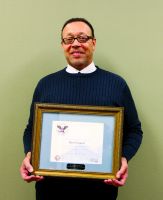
{"x":129,"y":42}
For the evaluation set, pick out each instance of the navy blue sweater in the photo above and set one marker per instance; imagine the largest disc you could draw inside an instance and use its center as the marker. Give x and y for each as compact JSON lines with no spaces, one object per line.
{"x":100,"y":88}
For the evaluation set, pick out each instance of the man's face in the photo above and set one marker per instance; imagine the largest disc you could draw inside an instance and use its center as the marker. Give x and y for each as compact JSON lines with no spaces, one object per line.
{"x":78,"y":55}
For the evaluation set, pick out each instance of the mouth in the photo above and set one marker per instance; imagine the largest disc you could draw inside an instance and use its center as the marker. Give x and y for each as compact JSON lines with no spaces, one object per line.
{"x":76,"y":53}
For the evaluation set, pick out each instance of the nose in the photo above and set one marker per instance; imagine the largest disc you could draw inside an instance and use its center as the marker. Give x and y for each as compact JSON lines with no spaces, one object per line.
{"x":76,"y":43}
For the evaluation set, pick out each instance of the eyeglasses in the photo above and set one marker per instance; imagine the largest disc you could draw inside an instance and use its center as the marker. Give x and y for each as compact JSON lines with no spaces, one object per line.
{"x":80,"y":39}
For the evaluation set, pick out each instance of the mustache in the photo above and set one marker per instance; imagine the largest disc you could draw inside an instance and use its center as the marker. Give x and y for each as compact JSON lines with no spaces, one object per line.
{"x":76,"y":51}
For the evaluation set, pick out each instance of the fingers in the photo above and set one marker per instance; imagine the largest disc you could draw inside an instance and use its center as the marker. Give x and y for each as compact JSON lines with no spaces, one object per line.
{"x":34,"y":178}
{"x":115,"y":182}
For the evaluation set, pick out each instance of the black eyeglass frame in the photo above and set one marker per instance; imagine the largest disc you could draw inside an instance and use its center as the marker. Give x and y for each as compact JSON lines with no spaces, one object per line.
{"x":78,"y":39}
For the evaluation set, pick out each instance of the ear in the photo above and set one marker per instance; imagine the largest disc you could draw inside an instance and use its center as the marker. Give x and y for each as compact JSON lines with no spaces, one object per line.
{"x":94,"y":43}
{"x":62,"y":46}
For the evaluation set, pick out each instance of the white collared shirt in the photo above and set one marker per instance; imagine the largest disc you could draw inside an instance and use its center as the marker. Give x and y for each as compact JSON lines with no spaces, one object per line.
{"x":89,"y":69}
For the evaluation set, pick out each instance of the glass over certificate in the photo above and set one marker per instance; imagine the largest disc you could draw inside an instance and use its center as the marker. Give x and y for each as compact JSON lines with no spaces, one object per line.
{"x":77,"y":141}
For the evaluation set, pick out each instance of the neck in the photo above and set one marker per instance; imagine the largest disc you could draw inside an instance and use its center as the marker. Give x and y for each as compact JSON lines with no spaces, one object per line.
{"x":79,"y":67}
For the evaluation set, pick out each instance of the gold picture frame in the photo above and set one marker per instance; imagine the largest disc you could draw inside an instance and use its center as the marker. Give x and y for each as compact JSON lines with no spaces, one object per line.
{"x":77,"y":141}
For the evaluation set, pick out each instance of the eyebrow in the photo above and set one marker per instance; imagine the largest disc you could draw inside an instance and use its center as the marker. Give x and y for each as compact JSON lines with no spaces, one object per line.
{"x":80,"y":33}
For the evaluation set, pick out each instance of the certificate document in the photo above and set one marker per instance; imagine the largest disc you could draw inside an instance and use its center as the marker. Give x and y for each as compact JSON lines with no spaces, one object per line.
{"x":77,"y":142}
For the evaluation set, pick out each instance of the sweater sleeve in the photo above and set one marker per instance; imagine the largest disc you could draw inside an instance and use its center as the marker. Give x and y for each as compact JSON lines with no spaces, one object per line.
{"x":27,"y":137}
{"x":132,"y":131}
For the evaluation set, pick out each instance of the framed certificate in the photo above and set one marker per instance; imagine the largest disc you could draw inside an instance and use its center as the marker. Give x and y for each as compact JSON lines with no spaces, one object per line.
{"x":77,"y":141}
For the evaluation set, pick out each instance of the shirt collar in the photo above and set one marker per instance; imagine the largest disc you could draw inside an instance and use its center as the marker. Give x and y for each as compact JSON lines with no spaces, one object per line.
{"x":89,"y":69}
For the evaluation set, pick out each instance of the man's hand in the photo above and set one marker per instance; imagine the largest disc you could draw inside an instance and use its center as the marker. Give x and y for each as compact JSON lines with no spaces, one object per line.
{"x":26,"y":169}
{"x":121,"y":175}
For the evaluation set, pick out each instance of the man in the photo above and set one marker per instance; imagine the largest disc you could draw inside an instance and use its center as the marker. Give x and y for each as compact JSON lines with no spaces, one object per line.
{"x":83,"y":83}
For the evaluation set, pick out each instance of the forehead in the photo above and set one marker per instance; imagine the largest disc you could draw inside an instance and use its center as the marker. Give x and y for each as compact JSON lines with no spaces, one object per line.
{"x":75,"y":28}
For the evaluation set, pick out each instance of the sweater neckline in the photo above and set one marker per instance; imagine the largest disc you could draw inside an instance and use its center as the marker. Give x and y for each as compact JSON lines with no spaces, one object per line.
{"x":81,"y":74}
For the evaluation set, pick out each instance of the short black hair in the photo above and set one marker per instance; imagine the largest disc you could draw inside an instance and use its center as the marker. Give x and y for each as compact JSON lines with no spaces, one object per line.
{"x":79,"y":19}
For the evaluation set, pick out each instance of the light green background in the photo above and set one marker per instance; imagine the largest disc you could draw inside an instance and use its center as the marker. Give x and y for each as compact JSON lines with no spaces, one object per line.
{"x":129,"y":42}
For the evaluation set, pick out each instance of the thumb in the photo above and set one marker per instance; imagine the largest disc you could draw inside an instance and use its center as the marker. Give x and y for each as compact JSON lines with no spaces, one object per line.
{"x":29,"y":168}
{"x":27,"y":162}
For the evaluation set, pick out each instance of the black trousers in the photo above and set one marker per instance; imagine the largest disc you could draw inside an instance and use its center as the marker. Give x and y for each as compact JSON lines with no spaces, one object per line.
{"x":52,"y":188}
